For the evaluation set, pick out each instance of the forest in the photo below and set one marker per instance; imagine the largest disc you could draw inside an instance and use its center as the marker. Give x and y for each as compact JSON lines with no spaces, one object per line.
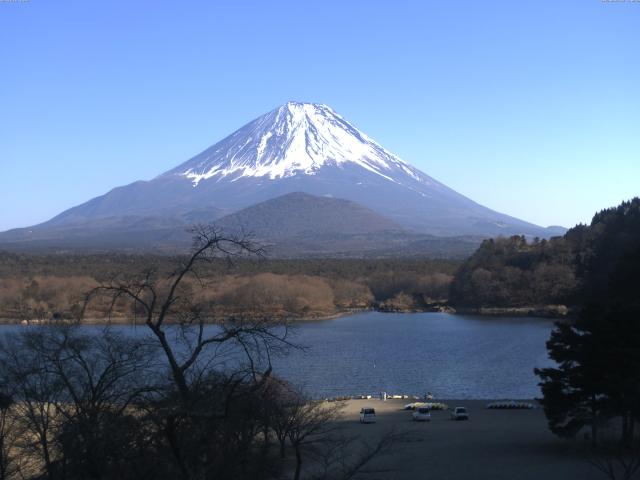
{"x":41,"y":287}
{"x":514,"y":272}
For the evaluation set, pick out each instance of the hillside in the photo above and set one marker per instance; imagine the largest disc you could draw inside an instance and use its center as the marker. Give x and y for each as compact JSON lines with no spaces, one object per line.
{"x":513,"y":272}
{"x":302,"y":215}
{"x":296,"y":225}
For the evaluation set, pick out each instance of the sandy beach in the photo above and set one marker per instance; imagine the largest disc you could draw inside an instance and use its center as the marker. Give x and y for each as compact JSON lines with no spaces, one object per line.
{"x":493,"y":444}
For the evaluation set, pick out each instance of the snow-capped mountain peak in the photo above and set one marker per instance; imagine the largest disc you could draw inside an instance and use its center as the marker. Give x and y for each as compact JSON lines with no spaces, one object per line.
{"x":295,"y":139}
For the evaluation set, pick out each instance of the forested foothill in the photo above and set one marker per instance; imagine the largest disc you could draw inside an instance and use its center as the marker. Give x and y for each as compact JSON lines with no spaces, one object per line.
{"x":40,"y":287}
{"x":513,"y":272}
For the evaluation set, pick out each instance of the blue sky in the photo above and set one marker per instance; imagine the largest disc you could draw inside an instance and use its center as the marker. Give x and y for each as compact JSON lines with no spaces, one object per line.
{"x":530,"y":108}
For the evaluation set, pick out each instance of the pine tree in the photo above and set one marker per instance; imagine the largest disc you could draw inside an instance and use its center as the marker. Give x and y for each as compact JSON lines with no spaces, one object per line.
{"x":598,"y":356}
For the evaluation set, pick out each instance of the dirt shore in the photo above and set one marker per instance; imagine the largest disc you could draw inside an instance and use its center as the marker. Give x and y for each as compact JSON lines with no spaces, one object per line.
{"x":545,"y":311}
{"x":507,"y":312}
{"x":493,"y":444}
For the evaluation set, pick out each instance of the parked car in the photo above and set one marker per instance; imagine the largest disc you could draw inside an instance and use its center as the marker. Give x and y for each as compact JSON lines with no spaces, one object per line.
{"x":422,"y":414}
{"x":367,"y":415}
{"x":459,"y":413}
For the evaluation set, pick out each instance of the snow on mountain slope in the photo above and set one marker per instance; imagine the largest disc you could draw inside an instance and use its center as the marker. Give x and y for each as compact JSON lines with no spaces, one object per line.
{"x":294,"y":139}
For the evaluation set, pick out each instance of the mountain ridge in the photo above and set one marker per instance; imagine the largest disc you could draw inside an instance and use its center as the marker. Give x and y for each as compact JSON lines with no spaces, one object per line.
{"x":295,"y":225}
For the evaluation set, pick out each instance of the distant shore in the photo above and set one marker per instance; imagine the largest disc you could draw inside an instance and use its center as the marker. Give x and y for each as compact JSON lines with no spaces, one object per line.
{"x":545,"y":311}
{"x":549,"y":311}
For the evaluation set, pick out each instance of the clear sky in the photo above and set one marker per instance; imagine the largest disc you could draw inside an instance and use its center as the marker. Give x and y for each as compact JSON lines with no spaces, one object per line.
{"x":531,"y":108}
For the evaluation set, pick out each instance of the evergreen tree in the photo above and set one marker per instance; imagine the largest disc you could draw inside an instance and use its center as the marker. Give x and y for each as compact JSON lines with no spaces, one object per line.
{"x":572,"y":392}
{"x":597,"y":377}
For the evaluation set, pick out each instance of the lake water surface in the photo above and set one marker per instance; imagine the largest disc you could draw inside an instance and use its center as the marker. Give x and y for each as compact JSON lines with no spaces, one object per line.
{"x":452,"y":356}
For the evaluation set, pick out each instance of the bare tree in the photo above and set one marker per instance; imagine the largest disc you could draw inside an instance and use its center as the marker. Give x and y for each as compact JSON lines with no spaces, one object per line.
{"x":216,"y":367}
{"x":9,"y":433}
{"x":169,"y":300}
{"x":37,"y":393}
{"x":617,"y":462}
{"x":347,"y":458}
{"x":72,"y":392}
{"x":314,"y":433}
{"x":310,"y":424}
{"x":615,"y":459}
{"x":101,"y":374}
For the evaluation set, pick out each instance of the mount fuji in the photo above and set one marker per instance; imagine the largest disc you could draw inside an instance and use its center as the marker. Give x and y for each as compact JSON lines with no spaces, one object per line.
{"x":298,"y":147}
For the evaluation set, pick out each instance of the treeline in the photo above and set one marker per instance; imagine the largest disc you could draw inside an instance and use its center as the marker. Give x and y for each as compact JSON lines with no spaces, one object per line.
{"x":512,"y":272}
{"x":41,"y":287}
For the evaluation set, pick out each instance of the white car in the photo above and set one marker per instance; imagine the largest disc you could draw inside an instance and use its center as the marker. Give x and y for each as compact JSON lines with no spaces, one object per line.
{"x":459,"y":413}
{"x":422,"y":414}
{"x":367,"y":415}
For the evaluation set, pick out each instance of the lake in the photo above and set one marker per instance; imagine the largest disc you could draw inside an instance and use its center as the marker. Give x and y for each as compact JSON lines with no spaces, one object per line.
{"x":451,"y":356}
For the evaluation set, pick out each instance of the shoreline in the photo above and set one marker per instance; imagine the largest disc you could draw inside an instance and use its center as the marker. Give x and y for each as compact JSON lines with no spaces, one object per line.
{"x":541,"y":311}
{"x":395,"y":401}
{"x":547,"y":312}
